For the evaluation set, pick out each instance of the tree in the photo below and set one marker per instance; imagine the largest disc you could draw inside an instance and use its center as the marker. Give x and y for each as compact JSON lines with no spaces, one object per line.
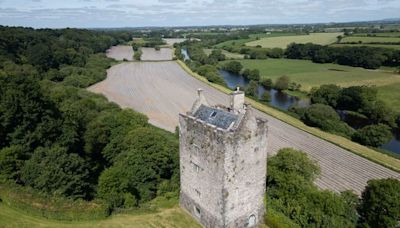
{"x":137,"y":55}
{"x":57,"y":172}
{"x":252,"y":89}
{"x":380,"y":204}
{"x":326,"y":94}
{"x":267,"y":83}
{"x":282,"y":83}
{"x":254,"y":75}
{"x":266,"y":97}
{"x":373,"y":135}
{"x":233,"y":67}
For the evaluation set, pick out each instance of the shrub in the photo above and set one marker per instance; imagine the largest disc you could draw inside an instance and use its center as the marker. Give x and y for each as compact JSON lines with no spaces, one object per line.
{"x":252,"y":89}
{"x":326,"y":94}
{"x":266,"y":97}
{"x":234,"y":67}
{"x":373,"y":135}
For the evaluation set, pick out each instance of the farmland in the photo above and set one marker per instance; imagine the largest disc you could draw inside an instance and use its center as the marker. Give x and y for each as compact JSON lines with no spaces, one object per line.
{"x":395,"y":47}
{"x":162,"y":90}
{"x":310,"y":74}
{"x":369,"y":39}
{"x":150,"y":54}
{"x":283,"y":41}
{"x":120,"y":52}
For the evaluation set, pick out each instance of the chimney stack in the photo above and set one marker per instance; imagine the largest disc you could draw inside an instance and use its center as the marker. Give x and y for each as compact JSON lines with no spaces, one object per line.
{"x":237,"y":101}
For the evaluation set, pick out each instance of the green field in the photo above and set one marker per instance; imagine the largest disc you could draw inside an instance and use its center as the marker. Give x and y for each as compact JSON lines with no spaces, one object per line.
{"x":228,"y":55}
{"x":395,"y":47}
{"x":168,"y":218}
{"x":370,"y":39}
{"x":380,"y":34}
{"x":310,"y":74}
{"x":253,"y":37}
{"x":283,"y":41}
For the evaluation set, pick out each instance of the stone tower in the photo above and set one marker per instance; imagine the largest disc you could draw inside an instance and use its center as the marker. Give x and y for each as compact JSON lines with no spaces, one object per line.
{"x":223,"y":163}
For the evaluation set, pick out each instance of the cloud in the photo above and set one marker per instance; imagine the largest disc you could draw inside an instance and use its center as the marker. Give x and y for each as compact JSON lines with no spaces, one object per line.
{"x":121,"y":13}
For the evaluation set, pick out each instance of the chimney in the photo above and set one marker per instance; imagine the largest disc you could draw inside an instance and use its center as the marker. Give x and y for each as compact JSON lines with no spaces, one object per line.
{"x":237,"y":101}
{"x":201,"y":100}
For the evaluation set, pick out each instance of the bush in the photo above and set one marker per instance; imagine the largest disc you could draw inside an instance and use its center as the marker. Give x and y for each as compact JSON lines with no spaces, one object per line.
{"x":233,"y":67}
{"x":373,"y":135}
{"x":326,"y":94}
{"x":252,"y":89}
{"x":266,"y":97}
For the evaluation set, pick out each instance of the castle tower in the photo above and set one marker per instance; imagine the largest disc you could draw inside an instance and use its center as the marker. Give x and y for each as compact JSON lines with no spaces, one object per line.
{"x":223,"y":163}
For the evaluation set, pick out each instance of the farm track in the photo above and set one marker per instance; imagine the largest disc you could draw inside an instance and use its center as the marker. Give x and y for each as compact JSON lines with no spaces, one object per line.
{"x":162,"y":90}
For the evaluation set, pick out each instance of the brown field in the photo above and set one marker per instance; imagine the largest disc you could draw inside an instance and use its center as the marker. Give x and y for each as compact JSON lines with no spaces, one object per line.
{"x":172,"y":41}
{"x":120,"y":52}
{"x":162,"y":90}
{"x":150,"y":54}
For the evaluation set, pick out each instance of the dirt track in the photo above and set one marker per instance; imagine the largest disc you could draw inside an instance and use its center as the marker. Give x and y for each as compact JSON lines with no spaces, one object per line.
{"x":162,"y":90}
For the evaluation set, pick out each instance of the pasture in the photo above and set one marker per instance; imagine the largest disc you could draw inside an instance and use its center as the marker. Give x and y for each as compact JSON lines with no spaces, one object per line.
{"x":310,"y":74}
{"x":169,"y":218}
{"x":228,"y":55}
{"x":370,"y":39}
{"x":283,"y":41}
{"x":162,"y":90}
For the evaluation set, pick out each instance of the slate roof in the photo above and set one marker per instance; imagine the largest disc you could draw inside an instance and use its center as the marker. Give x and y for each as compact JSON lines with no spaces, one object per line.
{"x":216,"y":117}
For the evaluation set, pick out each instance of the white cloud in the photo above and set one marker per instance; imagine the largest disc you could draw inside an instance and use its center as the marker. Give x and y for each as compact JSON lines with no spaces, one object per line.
{"x":120,"y":13}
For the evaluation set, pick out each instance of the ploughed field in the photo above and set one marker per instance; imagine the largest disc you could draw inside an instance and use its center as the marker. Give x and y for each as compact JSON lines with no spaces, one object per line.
{"x":120,"y":52}
{"x":150,"y":54}
{"x":162,"y":90}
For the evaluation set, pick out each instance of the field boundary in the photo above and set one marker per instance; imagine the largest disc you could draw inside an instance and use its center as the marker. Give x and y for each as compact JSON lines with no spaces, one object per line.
{"x":363,"y":151}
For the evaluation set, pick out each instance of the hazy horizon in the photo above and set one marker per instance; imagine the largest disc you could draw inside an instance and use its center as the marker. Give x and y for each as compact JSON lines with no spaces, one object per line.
{"x":170,"y":13}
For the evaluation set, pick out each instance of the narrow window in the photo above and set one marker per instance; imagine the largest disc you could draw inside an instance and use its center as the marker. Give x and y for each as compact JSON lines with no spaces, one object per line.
{"x":252,"y":221}
{"x":197,"y":211}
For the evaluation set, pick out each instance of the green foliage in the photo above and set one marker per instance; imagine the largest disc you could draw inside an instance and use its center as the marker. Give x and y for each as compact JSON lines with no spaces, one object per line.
{"x":251,"y":74}
{"x":380,"y":205}
{"x":282,"y":83}
{"x":137,"y":55}
{"x":326,"y":94}
{"x":252,"y":89}
{"x":211,"y":73}
{"x":55,"y":171}
{"x":267,"y":83}
{"x":326,"y":118}
{"x":11,"y":161}
{"x":373,"y":135}
{"x":291,"y":191}
{"x":266,"y":97}
{"x":233,"y":67}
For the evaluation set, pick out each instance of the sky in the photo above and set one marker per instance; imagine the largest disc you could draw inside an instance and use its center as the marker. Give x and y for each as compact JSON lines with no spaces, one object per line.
{"x":136,"y":13}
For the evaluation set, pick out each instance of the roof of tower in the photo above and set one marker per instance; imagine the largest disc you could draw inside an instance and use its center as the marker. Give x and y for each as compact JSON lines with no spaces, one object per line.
{"x":217,"y":117}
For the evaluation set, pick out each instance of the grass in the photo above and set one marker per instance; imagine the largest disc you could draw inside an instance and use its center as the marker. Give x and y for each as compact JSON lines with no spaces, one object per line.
{"x":310,"y":74}
{"x":380,"y":34}
{"x":370,"y":39}
{"x":283,"y":41}
{"x":395,"y":47}
{"x":253,"y":37}
{"x":228,"y":55}
{"x":170,"y":217}
{"x":347,"y":144}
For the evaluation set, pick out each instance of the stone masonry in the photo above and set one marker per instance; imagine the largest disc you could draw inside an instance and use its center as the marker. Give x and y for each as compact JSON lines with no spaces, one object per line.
{"x":223,"y":163}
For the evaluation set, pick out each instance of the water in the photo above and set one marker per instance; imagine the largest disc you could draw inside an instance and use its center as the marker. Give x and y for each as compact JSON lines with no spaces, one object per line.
{"x":185,"y":54}
{"x":394,"y":144}
{"x":278,"y":99}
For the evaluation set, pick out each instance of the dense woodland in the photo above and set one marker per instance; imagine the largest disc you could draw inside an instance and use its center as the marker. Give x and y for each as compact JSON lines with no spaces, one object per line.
{"x":60,"y":139}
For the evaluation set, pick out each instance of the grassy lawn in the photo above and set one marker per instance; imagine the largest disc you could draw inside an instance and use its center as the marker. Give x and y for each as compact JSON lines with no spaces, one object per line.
{"x":347,"y":144}
{"x":391,"y":95}
{"x":370,"y":39}
{"x":229,"y":55}
{"x":170,"y":217}
{"x":283,"y":41}
{"x":396,"y":47}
